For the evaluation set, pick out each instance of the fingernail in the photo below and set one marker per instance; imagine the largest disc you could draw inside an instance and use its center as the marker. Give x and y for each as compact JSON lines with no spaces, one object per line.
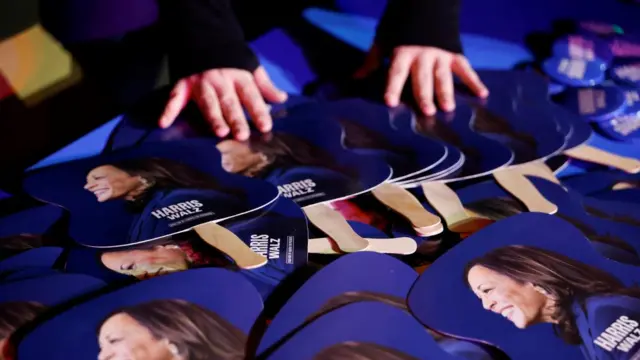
{"x":221,"y":131}
{"x":390,"y":100}
{"x":283,"y":96}
{"x":265,"y":123}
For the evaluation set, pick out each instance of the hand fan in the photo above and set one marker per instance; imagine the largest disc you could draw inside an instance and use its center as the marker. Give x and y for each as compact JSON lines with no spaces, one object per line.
{"x":29,"y":229}
{"x":368,"y":131}
{"x":151,"y":192}
{"x":43,"y":257}
{"x":278,"y":234}
{"x":187,"y":319}
{"x":304,"y":157}
{"x":365,"y":330}
{"x":385,"y":276}
{"x":574,"y":72}
{"x":587,"y":294}
{"x":615,"y":240}
{"x":24,"y":303}
{"x":606,"y":185}
{"x":583,"y":47}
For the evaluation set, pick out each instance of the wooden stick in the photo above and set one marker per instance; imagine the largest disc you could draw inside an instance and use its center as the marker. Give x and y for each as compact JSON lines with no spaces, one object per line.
{"x":401,"y":246}
{"x":336,"y":227}
{"x":521,"y":188}
{"x":230,"y":244}
{"x":404,"y":203}
{"x":597,"y":156}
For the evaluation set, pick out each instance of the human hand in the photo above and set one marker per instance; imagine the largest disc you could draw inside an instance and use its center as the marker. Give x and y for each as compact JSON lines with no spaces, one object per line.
{"x":221,"y":95}
{"x":430,"y":69}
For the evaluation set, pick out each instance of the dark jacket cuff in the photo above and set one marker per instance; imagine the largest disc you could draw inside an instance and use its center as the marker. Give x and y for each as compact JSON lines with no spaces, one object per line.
{"x":433,"y":23}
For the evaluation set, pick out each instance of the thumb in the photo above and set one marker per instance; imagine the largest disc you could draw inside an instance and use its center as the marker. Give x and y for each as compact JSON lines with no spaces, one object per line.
{"x":267,"y":88}
{"x":371,"y":62}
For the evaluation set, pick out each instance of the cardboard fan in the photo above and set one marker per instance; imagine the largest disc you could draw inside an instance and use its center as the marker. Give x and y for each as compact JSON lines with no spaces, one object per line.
{"x":23,"y":303}
{"x":29,"y":229}
{"x":278,"y":234}
{"x":594,"y":300}
{"x":481,"y":155}
{"x":616,"y":240}
{"x":384,"y":275}
{"x":305,"y":159}
{"x":151,"y":192}
{"x":205,"y":313}
{"x":44,"y":257}
{"x":366,"y":330}
{"x":606,"y":185}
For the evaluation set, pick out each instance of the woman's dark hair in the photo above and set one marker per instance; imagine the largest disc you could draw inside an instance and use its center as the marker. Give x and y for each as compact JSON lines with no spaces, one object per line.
{"x":500,"y":208}
{"x":564,"y":279}
{"x":362,"y":137}
{"x":432,"y":127}
{"x":13,"y":245}
{"x":612,"y":217}
{"x":285,"y":151}
{"x":489,"y":122}
{"x":361,"y":351}
{"x":16,"y":314}
{"x":198,"y":333}
{"x":169,"y":174}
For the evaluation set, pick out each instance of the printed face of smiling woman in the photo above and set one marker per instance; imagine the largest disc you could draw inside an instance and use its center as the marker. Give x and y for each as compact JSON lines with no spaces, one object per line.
{"x":123,"y":338}
{"x":143,"y":263}
{"x":108,"y":182}
{"x":523,"y":304}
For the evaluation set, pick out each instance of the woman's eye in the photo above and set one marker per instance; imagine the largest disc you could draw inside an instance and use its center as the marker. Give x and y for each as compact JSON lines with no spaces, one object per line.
{"x":486,"y":291}
{"x":114,"y":340}
{"x":130,"y":266}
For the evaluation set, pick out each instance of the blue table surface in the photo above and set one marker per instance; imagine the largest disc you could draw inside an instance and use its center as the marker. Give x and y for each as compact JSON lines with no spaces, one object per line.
{"x":291,"y":72}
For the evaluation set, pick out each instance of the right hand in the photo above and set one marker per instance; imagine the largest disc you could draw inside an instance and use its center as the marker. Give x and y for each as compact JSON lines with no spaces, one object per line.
{"x":221,"y":95}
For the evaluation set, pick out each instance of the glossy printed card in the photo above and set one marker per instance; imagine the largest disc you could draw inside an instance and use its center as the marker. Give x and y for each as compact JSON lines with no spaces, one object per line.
{"x":303,"y":155}
{"x":533,"y":286}
{"x":148,"y":192}
{"x":368,"y":130}
{"x":278,"y":233}
{"x":181,"y":315}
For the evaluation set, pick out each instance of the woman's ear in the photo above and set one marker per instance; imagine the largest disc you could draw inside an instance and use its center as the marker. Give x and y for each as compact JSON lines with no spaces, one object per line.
{"x":541,"y":290}
{"x":173,"y":349}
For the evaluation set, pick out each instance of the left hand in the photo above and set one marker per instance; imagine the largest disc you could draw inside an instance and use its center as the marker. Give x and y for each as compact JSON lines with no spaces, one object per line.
{"x":431,"y":70}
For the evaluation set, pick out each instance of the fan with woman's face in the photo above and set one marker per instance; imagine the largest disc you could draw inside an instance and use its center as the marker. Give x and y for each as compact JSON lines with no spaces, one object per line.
{"x":197,"y":314}
{"x":533,"y":285}
{"x":152,"y":192}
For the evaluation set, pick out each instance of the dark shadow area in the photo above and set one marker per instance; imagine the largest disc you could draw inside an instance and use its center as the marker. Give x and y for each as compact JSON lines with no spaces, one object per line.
{"x":17,"y":16}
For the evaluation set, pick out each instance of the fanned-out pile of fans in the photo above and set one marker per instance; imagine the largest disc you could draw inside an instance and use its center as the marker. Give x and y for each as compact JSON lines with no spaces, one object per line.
{"x":351,"y":231}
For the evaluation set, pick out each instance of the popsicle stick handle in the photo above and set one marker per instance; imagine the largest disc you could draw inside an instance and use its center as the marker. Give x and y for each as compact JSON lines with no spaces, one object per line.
{"x":445,"y":201}
{"x":333,"y":224}
{"x":521,"y":188}
{"x":622,"y":185}
{"x":597,"y":156}
{"x":538,"y":169}
{"x":404,"y":203}
{"x":400,"y":246}
{"x":230,"y":244}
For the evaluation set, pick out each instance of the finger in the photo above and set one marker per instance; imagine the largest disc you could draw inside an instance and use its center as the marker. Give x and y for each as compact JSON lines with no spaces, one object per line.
{"x":422,"y":79}
{"x":207,"y":100}
{"x":267,"y":88}
{"x":398,"y":74}
{"x":469,"y":77}
{"x":231,"y":107}
{"x":254,"y":103}
{"x":177,"y":101}
{"x":444,"y":84}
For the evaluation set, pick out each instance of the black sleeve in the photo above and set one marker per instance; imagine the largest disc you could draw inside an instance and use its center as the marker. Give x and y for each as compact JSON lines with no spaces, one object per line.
{"x":202,"y":35}
{"x":420,"y":22}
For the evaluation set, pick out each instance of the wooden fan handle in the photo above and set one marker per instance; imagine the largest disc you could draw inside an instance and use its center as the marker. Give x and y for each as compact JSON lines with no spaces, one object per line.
{"x":538,"y":169}
{"x":404,"y":203}
{"x":230,"y":244}
{"x":597,"y":156}
{"x":520,"y":187}
{"x":400,"y":246}
{"x":445,"y":201}
{"x":333,"y":224}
